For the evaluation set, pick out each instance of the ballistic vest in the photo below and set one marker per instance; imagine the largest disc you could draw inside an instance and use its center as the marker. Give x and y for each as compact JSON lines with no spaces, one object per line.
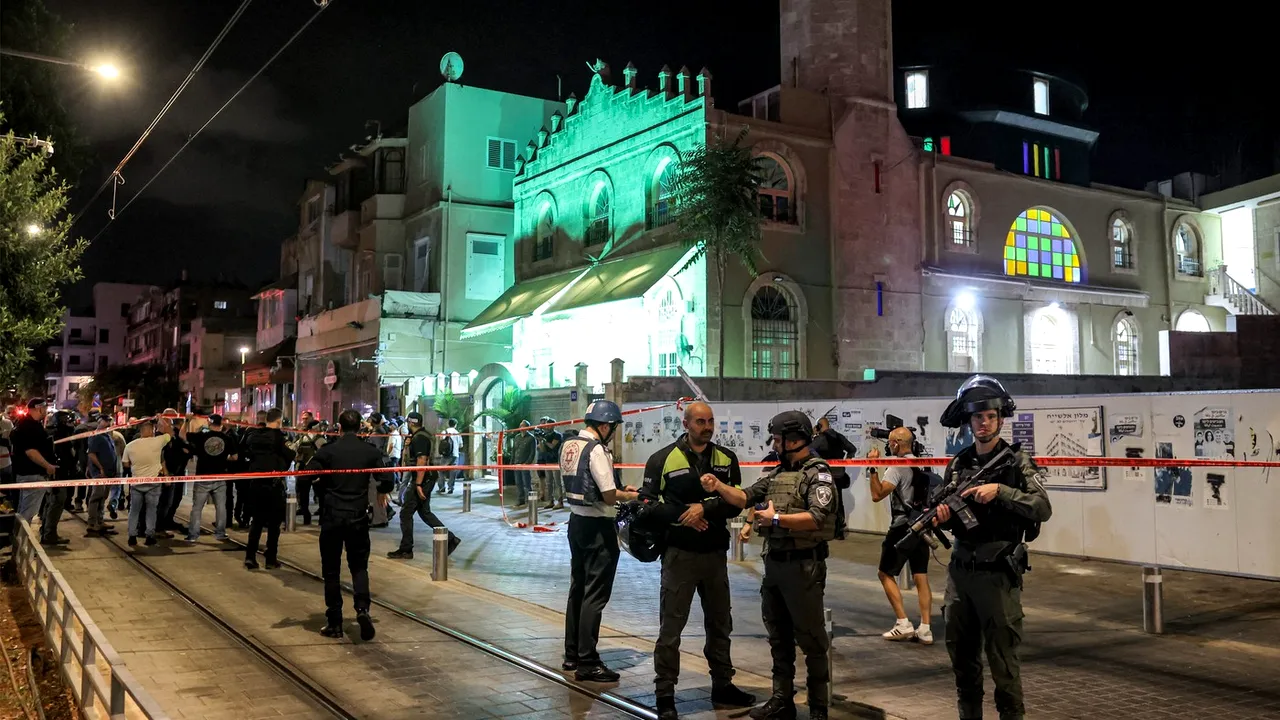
{"x":575,"y":466}
{"x":788,"y":490}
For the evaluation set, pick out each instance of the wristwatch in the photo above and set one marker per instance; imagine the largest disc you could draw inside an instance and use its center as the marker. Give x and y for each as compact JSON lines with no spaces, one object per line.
{"x":775,"y":521}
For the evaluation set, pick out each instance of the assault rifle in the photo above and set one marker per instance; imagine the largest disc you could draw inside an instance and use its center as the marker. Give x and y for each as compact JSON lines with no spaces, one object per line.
{"x":922,"y":529}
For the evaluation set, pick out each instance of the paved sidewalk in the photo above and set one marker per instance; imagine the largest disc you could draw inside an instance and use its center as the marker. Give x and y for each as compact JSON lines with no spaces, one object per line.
{"x":191,"y":667}
{"x":1084,"y":656}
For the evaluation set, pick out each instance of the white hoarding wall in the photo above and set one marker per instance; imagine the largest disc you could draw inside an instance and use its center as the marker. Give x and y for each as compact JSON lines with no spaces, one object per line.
{"x":1205,"y":518}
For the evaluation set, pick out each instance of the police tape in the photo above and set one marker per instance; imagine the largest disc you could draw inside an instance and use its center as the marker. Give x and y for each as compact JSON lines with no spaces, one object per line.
{"x":1048,"y":461}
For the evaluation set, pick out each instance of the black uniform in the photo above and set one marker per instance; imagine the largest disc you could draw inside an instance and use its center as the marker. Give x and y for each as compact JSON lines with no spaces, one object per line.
{"x":983,"y":602}
{"x":422,"y":445}
{"x":693,"y":561}
{"x":344,"y":518}
{"x":267,"y":452}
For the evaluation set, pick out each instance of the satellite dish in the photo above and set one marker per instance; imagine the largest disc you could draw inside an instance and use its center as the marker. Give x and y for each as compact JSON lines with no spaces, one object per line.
{"x":451,"y":66}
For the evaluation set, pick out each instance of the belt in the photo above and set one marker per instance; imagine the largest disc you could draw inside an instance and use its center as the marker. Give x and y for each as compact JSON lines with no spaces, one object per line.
{"x":815,"y":553}
{"x":997,"y":566}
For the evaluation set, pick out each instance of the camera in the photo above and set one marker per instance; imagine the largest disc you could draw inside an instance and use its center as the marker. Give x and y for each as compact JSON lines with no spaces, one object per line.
{"x":891,"y":423}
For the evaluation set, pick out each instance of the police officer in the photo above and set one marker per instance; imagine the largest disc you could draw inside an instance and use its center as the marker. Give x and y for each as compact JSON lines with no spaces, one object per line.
{"x":694,"y":560}
{"x":268,"y":453}
{"x":344,"y":521}
{"x":591,"y":489}
{"x":423,"y":450}
{"x":797,"y":520}
{"x":983,"y":602}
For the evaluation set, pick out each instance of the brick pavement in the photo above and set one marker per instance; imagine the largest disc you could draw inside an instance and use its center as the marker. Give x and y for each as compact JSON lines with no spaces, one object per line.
{"x":192,"y":668}
{"x":1084,"y":655}
{"x":408,"y":671}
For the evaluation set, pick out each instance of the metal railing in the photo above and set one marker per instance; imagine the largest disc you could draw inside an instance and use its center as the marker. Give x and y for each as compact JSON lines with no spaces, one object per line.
{"x":1243,"y":300}
{"x":103,"y":687}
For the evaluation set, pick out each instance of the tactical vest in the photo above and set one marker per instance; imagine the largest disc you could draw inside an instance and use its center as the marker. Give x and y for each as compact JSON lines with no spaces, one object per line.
{"x":580,"y":487}
{"x":788,"y":491}
{"x":677,"y":461}
{"x":406,"y":450}
{"x":997,"y":523}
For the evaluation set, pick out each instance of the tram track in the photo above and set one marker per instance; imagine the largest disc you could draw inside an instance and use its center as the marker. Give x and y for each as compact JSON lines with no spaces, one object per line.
{"x":622,"y":704}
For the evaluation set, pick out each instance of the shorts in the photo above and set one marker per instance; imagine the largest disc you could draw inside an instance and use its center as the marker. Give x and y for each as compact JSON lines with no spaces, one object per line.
{"x":893,"y":560}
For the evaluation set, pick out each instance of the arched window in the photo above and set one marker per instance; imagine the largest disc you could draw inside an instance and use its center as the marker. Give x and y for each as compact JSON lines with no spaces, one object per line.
{"x":1186,"y":247}
{"x":1050,"y":343}
{"x":1125,"y":338}
{"x":964,"y":339}
{"x":774,"y":335}
{"x":1192,"y":321}
{"x":544,"y":242}
{"x":1121,"y":245}
{"x":777,"y":199}
{"x":1040,"y":245}
{"x":959,"y":219}
{"x":662,"y":194}
{"x":599,"y":211}
{"x":665,"y":341}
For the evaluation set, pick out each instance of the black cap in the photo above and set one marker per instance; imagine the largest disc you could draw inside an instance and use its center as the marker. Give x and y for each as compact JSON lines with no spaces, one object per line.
{"x":215,"y":419}
{"x":35,"y":403}
{"x":414,"y":417}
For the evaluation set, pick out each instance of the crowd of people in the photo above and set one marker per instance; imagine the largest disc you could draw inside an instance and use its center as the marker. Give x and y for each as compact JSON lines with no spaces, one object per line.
{"x":692,"y":489}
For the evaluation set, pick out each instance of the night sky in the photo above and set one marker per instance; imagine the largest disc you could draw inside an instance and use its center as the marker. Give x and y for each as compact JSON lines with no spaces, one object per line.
{"x":1165,"y":91}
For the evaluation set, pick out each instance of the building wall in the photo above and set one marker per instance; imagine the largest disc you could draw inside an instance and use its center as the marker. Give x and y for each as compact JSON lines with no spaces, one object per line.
{"x":277,"y":317}
{"x":1266,"y":231}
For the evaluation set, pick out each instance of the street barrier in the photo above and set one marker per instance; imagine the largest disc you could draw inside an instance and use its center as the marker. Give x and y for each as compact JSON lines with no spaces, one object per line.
{"x":81,"y":647}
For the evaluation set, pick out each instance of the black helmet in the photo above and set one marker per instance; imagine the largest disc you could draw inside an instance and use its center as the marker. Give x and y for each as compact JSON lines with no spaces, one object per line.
{"x":791,"y":423}
{"x":980,"y":392}
{"x":638,"y":534}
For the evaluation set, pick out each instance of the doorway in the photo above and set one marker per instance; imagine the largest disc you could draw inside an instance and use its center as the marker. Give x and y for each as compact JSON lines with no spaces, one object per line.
{"x":1238,"y":247}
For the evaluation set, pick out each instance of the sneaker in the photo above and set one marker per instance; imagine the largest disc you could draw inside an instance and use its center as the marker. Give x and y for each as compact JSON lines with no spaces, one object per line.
{"x":454,"y":542}
{"x":133,"y":541}
{"x":596,"y":673}
{"x":400,"y":554}
{"x":367,"y":631}
{"x":924,"y":634}
{"x":666,"y":707}
{"x":92,"y":532}
{"x":272,"y":565}
{"x":901,"y":630}
{"x":151,"y":540}
{"x":777,"y":707}
{"x":250,"y":564}
{"x":108,"y":530}
{"x":332,"y":630}
{"x":731,"y":696}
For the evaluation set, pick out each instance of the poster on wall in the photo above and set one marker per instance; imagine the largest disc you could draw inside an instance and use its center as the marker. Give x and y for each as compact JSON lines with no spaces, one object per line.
{"x":1215,"y":433}
{"x":1061,"y":432}
{"x":1173,"y":484}
{"x":1135,"y":473}
{"x":1215,"y":494}
{"x":1125,"y":426}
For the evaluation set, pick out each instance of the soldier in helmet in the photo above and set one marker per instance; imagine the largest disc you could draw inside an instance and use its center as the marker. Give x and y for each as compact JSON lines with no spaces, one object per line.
{"x":983,"y":602}
{"x":795,"y":512}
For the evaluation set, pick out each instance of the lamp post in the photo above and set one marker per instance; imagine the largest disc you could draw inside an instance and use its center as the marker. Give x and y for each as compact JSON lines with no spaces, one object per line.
{"x":244,"y":351}
{"x":106,"y":70}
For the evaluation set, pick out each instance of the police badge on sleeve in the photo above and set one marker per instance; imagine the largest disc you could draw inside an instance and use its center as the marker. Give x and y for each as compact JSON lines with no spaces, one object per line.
{"x":825,"y":491}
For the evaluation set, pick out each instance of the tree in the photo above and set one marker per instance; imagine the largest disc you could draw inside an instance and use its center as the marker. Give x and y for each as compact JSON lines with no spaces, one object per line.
{"x":448,"y":407}
{"x":718,"y":211}
{"x":149,"y":386}
{"x":513,"y":410}
{"x":30,"y":92}
{"x":36,"y":258}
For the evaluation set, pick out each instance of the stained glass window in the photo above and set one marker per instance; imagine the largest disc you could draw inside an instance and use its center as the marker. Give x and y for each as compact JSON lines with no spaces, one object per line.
{"x":1040,"y":245}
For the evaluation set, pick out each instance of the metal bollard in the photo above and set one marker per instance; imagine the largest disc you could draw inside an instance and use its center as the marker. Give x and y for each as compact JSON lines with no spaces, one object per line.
{"x":291,"y":514}
{"x":737,"y":548}
{"x":1152,"y":601}
{"x":831,"y":674}
{"x":533,"y":508}
{"x":466,"y":496}
{"x":440,"y":554}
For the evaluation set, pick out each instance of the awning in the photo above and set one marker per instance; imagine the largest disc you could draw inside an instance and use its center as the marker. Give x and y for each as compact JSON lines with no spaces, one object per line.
{"x":260,"y":368}
{"x":519,"y":301}
{"x":626,"y":278}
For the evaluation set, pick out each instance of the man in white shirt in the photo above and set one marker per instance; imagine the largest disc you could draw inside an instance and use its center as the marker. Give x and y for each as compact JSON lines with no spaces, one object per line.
{"x":590,"y":487}
{"x":144,"y":458}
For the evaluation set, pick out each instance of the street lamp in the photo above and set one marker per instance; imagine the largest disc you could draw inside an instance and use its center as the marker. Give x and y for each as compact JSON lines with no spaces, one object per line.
{"x":34,"y":229}
{"x":105,"y":70}
{"x":243,"y":352}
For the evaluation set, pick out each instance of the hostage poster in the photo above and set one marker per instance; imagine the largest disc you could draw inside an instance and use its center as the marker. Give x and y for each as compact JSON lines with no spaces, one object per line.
{"x":1173,"y":484}
{"x":1215,"y":433}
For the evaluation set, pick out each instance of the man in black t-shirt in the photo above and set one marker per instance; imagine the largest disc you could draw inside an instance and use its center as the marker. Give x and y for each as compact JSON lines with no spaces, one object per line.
{"x":423,"y":450}
{"x":34,"y":460}
{"x":214,"y":451}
